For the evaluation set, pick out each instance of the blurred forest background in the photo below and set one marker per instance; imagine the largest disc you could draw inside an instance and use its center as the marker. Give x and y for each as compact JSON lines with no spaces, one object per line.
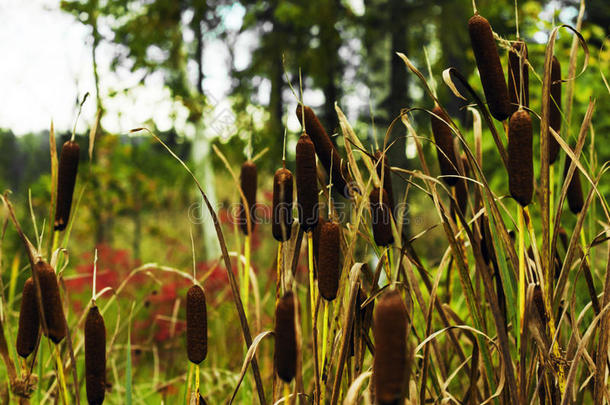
{"x":137,"y":205}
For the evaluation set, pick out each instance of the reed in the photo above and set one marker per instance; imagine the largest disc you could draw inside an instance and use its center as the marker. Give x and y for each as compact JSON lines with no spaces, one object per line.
{"x":51,"y":302}
{"x":520,"y":158}
{"x":281,"y":221}
{"x":285,"y":350}
{"x":489,"y":66}
{"x":387,"y":175}
{"x":29,"y":323}
{"x":66,"y":179}
{"x":555,"y":109}
{"x":196,"y":325}
{"x":381,"y":217}
{"x":307,"y":183}
{"x":390,"y":359}
{"x":95,"y":356}
{"x":518,"y":76}
{"x":575,"y":196}
{"x":248,"y":179}
{"x":325,"y":149}
{"x":443,"y":137}
{"x":329,"y":271}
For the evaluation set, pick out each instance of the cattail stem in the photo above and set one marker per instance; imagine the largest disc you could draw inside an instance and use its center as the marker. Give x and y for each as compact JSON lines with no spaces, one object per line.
{"x":324,"y":330}
{"x":551,"y":199}
{"x":287,"y":397}
{"x":388,"y":266}
{"x":278,"y":279}
{"x":391,"y":264}
{"x":521,"y":231}
{"x":189,"y":381}
{"x":197,"y":381}
{"x":246,"y":278}
{"x":312,"y":290}
{"x":61,"y":376}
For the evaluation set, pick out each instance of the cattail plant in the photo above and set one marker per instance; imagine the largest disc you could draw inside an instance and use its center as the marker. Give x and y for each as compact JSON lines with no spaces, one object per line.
{"x":307,"y":183}
{"x":387,"y":178}
{"x":575,"y":197}
{"x":489,"y":66}
{"x":51,"y":302}
{"x":381,"y":217}
{"x":461,"y":187}
{"x":518,"y":76}
{"x":95,"y":356}
{"x":29,"y":323}
{"x":248,"y":185}
{"x":325,"y":149}
{"x":281,"y":222}
{"x":555,"y":109}
{"x":445,"y":150}
{"x":520,"y":160}
{"x":329,"y":270}
{"x":66,"y":178}
{"x":390,"y":368}
{"x":285,"y":350}
{"x":196,"y":325}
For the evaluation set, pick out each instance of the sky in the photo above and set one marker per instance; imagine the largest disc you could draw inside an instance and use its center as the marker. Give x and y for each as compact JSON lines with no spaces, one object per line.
{"x":47,"y":68}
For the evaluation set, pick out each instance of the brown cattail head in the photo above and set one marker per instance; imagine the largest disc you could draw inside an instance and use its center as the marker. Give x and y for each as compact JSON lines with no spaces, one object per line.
{"x":390,"y":360}
{"x":575,"y":197}
{"x":66,"y":178}
{"x":518,"y":76}
{"x":387,"y":175}
{"x":281,"y":221}
{"x":248,"y":186}
{"x":29,"y":324}
{"x":285,"y":350}
{"x":51,"y":302}
{"x":490,"y":67}
{"x":555,"y":110}
{"x":326,"y":150}
{"x":381,"y":218}
{"x":95,"y":356}
{"x":443,"y":137}
{"x":196,"y":325}
{"x":307,"y":183}
{"x":520,"y":160}
{"x":329,"y":269}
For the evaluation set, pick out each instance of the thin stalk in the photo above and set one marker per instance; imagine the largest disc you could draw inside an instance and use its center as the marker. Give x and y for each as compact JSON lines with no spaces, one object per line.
{"x":246,"y":281}
{"x":312,"y":292}
{"x":61,"y":376}
{"x":522,"y":232}
{"x":197,"y":381}
{"x":278,"y":280}
{"x":324,"y":331}
{"x":287,"y":398}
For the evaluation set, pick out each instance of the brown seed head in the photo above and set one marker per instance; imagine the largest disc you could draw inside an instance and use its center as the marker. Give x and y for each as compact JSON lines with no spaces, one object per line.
{"x":381,"y":218}
{"x":307,"y":183}
{"x":95,"y":356}
{"x":196,"y":325}
{"x":520,"y":160}
{"x":390,"y":360}
{"x":326,"y":150}
{"x":66,"y":178}
{"x":443,"y":137}
{"x":51,"y":302}
{"x":281,"y":222}
{"x":575,"y":197}
{"x":489,"y":66}
{"x":248,"y":185}
{"x":329,"y":270}
{"x":285,"y":350}
{"x":518,"y":76}
{"x":555,"y":111}
{"x":29,"y":324}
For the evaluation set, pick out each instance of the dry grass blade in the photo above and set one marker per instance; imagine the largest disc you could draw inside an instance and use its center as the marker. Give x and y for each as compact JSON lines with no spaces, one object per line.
{"x":248,"y":359}
{"x":225,"y":254}
{"x":353,"y":392}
